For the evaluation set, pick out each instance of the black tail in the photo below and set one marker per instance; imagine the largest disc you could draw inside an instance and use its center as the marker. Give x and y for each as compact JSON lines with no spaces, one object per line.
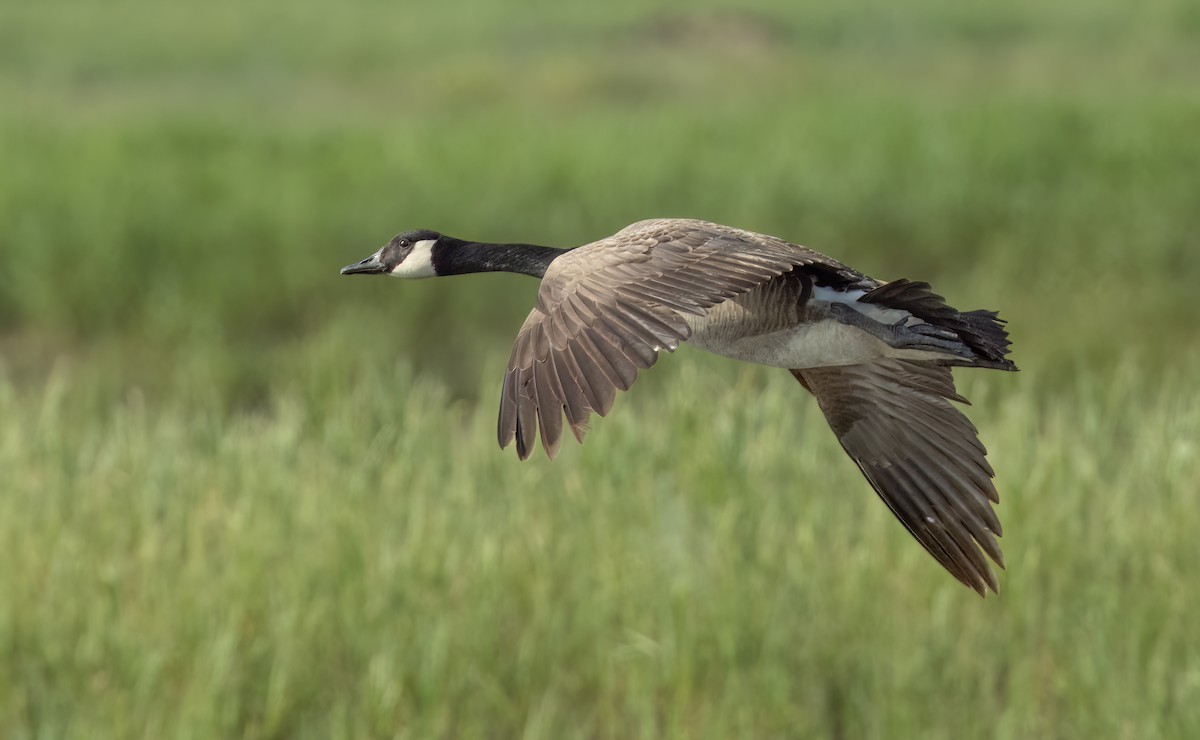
{"x":982,"y":331}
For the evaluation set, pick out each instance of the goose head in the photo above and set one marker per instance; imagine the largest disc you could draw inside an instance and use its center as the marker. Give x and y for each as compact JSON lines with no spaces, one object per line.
{"x":407,"y":255}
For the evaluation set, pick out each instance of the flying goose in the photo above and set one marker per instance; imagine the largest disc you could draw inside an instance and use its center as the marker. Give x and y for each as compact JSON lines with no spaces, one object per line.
{"x":876,"y":355}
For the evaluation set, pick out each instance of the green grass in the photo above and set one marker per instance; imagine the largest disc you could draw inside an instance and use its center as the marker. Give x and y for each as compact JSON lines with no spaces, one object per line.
{"x":241,"y":496}
{"x":376,"y":568}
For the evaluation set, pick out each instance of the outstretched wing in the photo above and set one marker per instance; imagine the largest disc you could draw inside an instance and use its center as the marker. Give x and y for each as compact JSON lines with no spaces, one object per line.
{"x":605,"y":311}
{"x":920,"y":454}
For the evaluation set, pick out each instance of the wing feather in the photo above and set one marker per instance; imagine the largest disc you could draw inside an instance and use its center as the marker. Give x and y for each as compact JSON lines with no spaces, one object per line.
{"x":920,"y":454}
{"x":607,"y":309}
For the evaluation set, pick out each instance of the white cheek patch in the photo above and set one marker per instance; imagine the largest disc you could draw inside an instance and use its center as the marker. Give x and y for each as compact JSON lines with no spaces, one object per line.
{"x":418,"y":263}
{"x":851,"y":298}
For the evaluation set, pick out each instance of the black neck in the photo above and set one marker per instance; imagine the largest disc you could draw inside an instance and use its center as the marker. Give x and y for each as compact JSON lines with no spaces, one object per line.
{"x":456,"y":257}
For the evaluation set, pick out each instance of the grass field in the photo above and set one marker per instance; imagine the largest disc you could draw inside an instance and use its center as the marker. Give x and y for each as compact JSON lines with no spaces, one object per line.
{"x":243,"y":497}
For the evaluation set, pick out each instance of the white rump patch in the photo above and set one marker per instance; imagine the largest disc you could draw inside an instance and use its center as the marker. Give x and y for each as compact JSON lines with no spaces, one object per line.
{"x":851,"y":298}
{"x":418,"y":263}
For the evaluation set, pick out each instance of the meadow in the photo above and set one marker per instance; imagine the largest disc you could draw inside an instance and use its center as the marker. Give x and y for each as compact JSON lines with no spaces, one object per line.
{"x":242,"y":496}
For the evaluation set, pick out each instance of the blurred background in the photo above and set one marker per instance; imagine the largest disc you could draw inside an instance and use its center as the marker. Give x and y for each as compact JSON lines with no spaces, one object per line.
{"x":241,"y":496}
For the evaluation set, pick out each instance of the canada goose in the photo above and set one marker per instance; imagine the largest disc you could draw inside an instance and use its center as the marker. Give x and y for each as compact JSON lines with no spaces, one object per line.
{"x":875,"y":355}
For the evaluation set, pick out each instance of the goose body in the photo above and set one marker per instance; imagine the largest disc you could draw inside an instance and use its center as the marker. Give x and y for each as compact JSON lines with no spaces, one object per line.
{"x":876,"y":356}
{"x":775,"y":325}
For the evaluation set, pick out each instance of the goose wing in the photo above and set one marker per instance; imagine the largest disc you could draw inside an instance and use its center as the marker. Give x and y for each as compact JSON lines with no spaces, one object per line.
{"x":605,"y":311}
{"x":920,"y":454}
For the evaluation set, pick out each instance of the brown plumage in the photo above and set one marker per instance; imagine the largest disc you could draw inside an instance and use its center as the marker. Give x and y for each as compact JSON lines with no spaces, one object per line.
{"x":875,"y":355}
{"x":606,"y":309}
{"x":920,"y":454}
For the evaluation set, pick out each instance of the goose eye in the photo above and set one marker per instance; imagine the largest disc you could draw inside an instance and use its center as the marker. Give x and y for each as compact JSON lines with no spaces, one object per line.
{"x":403,"y":243}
